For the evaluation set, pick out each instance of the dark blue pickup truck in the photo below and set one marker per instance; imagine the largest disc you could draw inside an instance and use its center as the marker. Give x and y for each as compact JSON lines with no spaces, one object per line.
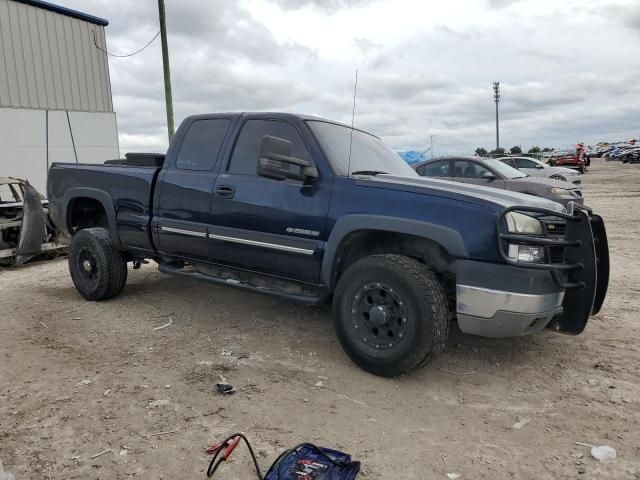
{"x":315,"y":211}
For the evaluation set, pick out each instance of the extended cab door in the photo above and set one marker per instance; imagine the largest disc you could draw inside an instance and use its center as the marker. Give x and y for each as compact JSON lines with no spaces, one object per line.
{"x":266,"y":225}
{"x":183,"y":199}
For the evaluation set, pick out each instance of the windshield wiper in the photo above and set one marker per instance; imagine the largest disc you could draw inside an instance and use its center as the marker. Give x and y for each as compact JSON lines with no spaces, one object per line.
{"x":369,"y":172}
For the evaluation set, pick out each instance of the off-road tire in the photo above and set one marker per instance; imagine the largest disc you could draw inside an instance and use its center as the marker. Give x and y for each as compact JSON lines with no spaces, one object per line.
{"x":107,"y":275}
{"x":414,"y":286}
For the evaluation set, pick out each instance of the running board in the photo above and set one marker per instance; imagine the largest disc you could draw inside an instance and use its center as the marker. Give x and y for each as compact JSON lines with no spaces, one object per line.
{"x":297,"y":292}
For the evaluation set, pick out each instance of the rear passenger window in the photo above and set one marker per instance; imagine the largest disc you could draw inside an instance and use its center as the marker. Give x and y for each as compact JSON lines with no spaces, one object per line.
{"x":436,"y":169}
{"x":245,"y":154}
{"x":202,"y":143}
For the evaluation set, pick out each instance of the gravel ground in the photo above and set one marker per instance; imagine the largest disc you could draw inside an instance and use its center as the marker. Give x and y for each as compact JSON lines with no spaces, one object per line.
{"x":81,"y":378}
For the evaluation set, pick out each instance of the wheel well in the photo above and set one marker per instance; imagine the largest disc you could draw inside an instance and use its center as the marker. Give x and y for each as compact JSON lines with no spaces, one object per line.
{"x":85,"y":212}
{"x":363,"y":243}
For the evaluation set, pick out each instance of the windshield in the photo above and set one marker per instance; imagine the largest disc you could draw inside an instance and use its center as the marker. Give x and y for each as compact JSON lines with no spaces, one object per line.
{"x":368,"y":153}
{"x":503,"y":169}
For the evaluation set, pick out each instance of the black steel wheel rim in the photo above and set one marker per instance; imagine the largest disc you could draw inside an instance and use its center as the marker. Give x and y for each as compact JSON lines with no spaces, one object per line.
{"x":379,"y":316}
{"x":88,"y":266}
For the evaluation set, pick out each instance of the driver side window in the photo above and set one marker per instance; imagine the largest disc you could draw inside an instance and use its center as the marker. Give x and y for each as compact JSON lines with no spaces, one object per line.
{"x":244,"y":159}
{"x":468,"y":169}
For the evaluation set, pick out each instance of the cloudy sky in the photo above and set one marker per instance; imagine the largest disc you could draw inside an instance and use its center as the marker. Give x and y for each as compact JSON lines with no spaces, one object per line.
{"x":569,"y":70}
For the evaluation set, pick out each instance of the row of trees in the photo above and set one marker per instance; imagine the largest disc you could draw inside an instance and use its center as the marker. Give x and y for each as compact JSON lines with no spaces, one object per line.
{"x":480,"y":151}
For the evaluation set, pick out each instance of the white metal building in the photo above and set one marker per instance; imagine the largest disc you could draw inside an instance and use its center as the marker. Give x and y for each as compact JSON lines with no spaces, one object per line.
{"x":55,"y":92}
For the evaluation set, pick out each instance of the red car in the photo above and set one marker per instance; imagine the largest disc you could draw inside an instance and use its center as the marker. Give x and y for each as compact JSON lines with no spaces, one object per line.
{"x":577,"y":161}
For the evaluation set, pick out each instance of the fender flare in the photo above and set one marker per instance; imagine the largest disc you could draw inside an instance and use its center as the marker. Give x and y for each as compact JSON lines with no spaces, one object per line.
{"x":101,"y":196}
{"x":449,"y":238}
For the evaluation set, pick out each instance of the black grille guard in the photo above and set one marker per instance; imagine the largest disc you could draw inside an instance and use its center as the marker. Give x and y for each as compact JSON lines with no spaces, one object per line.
{"x":584,"y":274}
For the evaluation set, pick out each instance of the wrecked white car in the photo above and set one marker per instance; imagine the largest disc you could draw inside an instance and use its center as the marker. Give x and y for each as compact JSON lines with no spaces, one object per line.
{"x":25,"y":229}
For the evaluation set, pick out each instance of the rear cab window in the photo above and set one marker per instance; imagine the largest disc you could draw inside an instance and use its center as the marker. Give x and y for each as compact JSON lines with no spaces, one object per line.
{"x":202,"y":143}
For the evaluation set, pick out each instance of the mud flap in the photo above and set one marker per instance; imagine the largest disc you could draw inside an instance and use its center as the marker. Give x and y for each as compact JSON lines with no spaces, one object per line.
{"x":33,"y":230}
{"x":579,"y":299}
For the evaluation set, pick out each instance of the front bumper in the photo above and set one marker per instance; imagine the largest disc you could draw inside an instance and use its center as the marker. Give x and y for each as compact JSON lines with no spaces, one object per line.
{"x":516,"y":298}
{"x":499,"y":313}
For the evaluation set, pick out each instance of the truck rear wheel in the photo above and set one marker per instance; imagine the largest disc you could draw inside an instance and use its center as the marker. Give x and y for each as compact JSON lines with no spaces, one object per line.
{"x":390,"y":314}
{"x":98,"y":269}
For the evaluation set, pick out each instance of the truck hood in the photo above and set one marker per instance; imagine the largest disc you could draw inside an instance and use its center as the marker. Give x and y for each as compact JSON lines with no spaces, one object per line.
{"x":458,"y":191}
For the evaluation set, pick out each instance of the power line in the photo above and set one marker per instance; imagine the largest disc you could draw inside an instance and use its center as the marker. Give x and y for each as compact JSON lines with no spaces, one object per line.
{"x":95,"y":42}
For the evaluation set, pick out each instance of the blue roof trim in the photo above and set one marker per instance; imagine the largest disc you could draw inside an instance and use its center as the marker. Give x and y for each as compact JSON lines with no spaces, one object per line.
{"x":66,"y":11}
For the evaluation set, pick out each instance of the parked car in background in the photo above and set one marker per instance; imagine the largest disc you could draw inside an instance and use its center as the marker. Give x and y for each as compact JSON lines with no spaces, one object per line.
{"x":576,"y":160}
{"x":491,"y":172}
{"x":537,"y":168}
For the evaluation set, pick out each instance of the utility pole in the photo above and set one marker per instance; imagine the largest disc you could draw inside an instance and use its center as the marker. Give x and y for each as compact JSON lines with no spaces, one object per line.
{"x":496,"y":97}
{"x":431,"y":140}
{"x":165,"y":65}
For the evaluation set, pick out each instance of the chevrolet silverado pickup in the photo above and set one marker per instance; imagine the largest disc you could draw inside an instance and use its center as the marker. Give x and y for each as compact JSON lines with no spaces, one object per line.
{"x":317,"y":212}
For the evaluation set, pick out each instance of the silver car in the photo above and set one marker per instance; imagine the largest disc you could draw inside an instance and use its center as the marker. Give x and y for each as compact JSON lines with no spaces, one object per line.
{"x":491,"y":172}
{"x":536,"y":168}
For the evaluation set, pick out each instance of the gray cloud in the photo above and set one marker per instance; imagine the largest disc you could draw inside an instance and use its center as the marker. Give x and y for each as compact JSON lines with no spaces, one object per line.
{"x":327,"y":6}
{"x":564,"y":77}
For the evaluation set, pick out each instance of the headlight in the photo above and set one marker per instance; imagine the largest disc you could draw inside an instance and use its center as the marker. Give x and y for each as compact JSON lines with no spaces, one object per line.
{"x":521,"y":223}
{"x":526,"y":253}
{"x":561,"y":192}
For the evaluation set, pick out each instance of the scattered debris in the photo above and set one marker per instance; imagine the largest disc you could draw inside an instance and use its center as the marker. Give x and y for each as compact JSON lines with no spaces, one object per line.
{"x":226,"y":353}
{"x":101,"y":453}
{"x":44,"y":324}
{"x":85,"y":382}
{"x":158,"y":434}
{"x":5,"y":475}
{"x":225,"y":388}
{"x":319,"y":384}
{"x":106,"y":392}
{"x":165,"y":325}
{"x":455,"y":373}
{"x":453,"y":476}
{"x":159,"y":403}
{"x":167,"y":386}
{"x":208,"y":363}
{"x":519,"y":425}
{"x":603,"y":453}
{"x":582,"y":471}
{"x":123,"y":452}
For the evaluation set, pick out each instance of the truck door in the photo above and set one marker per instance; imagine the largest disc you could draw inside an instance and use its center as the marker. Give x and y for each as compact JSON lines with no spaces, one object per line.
{"x":271,"y":226}
{"x":183,"y":210}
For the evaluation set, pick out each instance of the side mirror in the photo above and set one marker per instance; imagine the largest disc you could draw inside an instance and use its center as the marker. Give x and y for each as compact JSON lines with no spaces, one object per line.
{"x":275,"y":161}
{"x":539,"y":166}
{"x":488,"y":176}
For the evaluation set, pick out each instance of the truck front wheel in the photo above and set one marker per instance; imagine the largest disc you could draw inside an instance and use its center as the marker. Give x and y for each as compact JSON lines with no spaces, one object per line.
{"x":98,"y":269}
{"x":390,"y":314}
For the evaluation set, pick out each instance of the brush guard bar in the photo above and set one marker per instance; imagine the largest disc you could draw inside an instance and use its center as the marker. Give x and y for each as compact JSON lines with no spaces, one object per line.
{"x":584,"y":272}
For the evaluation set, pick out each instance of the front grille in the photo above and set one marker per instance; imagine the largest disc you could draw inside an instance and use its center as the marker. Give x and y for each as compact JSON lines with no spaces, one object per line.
{"x":556,"y":254}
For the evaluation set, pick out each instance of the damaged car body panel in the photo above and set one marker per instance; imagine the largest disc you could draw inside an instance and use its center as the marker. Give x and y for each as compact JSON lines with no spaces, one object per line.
{"x":24,"y":227}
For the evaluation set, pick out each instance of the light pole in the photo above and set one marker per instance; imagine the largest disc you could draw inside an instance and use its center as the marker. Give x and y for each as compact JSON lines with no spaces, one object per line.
{"x":165,"y":65}
{"x":431,"y":141}
{"x":496,"y":97}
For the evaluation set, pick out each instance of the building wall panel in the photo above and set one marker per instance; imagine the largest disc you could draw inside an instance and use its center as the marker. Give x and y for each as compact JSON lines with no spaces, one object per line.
{"x":49,"y":61}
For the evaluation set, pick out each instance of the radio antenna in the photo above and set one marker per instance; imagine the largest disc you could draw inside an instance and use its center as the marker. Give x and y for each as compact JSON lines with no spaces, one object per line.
{"x":353,"y":117}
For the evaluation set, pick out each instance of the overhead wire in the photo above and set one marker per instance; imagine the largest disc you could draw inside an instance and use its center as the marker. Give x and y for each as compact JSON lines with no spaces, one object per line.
{"x":95,"y":42}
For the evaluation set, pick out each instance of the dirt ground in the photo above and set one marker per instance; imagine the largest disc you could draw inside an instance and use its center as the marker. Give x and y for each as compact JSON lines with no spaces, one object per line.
{"x":80,"y":378}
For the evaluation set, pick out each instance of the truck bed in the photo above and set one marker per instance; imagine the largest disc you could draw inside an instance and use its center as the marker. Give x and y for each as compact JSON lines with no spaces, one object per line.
{"x":124,"y":190}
